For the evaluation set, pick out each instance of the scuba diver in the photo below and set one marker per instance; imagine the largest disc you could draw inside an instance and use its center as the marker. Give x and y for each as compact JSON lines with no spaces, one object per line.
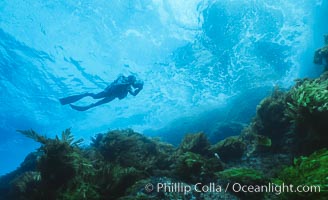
{"x":118,"y":89}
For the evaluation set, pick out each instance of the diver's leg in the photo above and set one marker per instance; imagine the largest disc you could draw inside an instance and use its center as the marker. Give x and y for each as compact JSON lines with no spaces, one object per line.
{"x":74,"y":98}
{"x":103,"y":101}
{"x":84,"y":108}
{"x":81,"y":108}
{"x":99,"y":95}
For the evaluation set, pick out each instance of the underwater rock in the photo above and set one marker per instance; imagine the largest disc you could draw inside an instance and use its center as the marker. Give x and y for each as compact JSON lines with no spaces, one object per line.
{"x":307,"y":99}
{"x":270,"y":120}
{"x":308,"y":111}
{"x":189,"y":166}
{"x":130,"y":149}
{"x":196,"y":143}
{"x":28,"y":165}
{"x":321,"y":54}
{"x":62,"y":170}
{"x":193,"y":168}
{"x":270,"y":163}
{"x":61,"y":161}
{"x":268,"y":131}
{"x":113,"y":163}
{"x":230,"y":148}
{"x":151,"y":188}
{"x":25,"y":185}
{"x":259,"y":144}
{"x":294,"y":121}
{"x":264,"y":141}
{"x":167,"y":189}
{"x":121,"y":179}
{"x":243,"y":176}
{"x":194,"y":161}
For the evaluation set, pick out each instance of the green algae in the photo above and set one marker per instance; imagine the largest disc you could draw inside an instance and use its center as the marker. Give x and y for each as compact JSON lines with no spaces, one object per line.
{"x":307,"y":171}
{"x":245,"y":177}
{"x":242,"y":175}
{"x":309,"y":98}
{"x":230,"y":148}
{"x":196,"y":143}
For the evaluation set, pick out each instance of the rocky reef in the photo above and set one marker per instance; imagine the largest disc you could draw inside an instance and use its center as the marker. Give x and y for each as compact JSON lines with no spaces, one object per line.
{"x":285,"y":145}
{"x":321,"y":54}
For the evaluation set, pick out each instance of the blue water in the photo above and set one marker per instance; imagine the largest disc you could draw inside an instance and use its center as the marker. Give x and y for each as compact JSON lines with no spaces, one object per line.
{"x":203,"y":63}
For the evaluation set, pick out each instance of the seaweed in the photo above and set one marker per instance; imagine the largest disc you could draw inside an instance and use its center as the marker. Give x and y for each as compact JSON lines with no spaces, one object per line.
{"x":34,"y":135}
{"x":130,"y":149}
{"x":308,"y":171}
{"x":308,"y":111}
{"x":26,"y":184}
{"x":231,"y":148}
{"x":61,"y":167}
{"x":196,"y":143}
{"x":243,"y":176}
{"x":270,"y":121}
{"x":189,"y":166}
{"x":307,"y":99}
{"x":68,"y":138}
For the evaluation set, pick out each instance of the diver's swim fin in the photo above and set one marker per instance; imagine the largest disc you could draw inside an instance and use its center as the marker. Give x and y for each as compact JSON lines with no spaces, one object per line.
{"x":80,"y":108}
{"x":72,"y":99}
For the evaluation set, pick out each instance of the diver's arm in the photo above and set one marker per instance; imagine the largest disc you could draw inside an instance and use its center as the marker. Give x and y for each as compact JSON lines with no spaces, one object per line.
{"x":135,"y":92}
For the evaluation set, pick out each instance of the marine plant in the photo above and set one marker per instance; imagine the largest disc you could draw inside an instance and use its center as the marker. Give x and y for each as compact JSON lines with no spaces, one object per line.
{"x":308,"y":110}
{"x":16,"y":179}
{"x":189,"y":166}
{"x":230,"y":148}
{"x":119,"y":179}
{"x":270,"y":123}
{"x":25,"y":185}
{"x":64,"y":172}
{"x":308,"y":98}
{"x":130,"y":149}
{"x":34,"y":135}
{"x":308,"y":171}
{"x":66,"y":137}
{"x":196,"y":143}
{"x":243,"y":176}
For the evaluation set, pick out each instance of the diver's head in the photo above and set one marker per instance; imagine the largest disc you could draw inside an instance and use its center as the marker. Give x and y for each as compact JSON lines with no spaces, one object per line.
{"x":132,"y":79}
{"x":138,"y":84}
